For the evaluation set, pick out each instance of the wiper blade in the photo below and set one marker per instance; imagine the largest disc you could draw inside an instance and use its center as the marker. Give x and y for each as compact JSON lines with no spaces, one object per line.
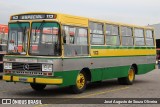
{"x":24,"y":35}
{"x":35,"y":35}
{"x":40,"y":27}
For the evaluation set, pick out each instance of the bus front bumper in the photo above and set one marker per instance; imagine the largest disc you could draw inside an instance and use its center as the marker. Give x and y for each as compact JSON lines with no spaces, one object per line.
{"x":38,"y":80}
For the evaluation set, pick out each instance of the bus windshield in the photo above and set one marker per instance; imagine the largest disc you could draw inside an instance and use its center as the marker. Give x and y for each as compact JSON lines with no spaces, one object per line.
{"x":45,"y":39}
{"x":18,"y":37}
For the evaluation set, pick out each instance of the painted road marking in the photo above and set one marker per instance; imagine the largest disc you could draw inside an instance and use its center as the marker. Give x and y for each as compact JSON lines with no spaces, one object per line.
{"x":103,"y":92}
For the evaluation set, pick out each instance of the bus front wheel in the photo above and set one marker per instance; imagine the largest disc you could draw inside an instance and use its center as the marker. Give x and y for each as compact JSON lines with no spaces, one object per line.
{"x":81,"y":83}
{"x":129,"y":79}
{"x":37,"y":87}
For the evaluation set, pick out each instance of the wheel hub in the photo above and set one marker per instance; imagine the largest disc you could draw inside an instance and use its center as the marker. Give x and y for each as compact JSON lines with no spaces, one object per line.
{"x":80,"y":81}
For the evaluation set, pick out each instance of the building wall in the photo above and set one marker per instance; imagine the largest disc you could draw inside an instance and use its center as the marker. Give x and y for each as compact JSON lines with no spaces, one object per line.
{"x":157,"y":30}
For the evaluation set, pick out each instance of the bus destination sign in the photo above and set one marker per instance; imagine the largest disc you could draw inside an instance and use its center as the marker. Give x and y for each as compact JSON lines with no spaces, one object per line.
{"x":33,"y":16}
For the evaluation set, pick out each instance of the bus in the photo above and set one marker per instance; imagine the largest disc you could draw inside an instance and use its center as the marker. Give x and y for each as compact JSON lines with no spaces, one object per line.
{"x":67,"y":50}
{"x":3,"y":43}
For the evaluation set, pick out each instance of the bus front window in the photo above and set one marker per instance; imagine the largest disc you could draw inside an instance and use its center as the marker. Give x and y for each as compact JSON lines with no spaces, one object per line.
{"x":18,"y":37}
{"x":45,"y":39}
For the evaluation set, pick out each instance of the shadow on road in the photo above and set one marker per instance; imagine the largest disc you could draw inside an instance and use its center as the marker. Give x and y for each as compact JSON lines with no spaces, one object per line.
{"x":53,"y":91}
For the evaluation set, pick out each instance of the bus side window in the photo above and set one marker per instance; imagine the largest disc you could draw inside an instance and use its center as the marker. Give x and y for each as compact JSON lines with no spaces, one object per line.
{"x":112,"y":35}
{"x":65,"y":34}
{"x":75,"y":41}
{"x":66,"y":41}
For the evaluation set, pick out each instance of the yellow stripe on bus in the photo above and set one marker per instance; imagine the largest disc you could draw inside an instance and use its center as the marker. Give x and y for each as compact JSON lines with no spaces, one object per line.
{"x":37,"y":80}
{"x":16,"y":78}
{"x":49,"y":81}
{"x":6,"y":78}
{"x":122,"y":52}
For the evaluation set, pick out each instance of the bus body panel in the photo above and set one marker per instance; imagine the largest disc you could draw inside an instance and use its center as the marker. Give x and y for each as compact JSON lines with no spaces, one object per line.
{"x":103,"y":61}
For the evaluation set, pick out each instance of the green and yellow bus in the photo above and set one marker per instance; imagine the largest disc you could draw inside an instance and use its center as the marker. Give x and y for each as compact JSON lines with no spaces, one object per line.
{"x":66,"y":50}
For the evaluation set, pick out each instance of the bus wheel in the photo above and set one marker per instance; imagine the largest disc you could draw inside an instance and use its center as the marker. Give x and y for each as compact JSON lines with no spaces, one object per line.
{"x":37,"y":87}
{"x":129,"y":79}
{"x":80,"y":83}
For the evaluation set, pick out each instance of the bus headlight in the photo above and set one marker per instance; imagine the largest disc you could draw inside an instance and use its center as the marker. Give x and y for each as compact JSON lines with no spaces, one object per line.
{"x":7,"y":65}
{"x":47,"y":67}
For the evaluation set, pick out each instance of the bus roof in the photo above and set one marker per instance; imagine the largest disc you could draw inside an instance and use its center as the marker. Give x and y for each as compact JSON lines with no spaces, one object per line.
{"x":80,"y":21}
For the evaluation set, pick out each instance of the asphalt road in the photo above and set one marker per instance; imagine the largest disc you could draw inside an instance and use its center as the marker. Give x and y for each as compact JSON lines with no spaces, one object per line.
{"x":145,"y":86}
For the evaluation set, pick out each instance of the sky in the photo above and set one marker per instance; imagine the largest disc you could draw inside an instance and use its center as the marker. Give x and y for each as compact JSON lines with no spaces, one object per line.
{"x":138,"y":12}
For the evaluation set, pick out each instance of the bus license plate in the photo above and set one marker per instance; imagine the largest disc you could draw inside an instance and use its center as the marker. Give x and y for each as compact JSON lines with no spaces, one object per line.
{"x":23,"y":79}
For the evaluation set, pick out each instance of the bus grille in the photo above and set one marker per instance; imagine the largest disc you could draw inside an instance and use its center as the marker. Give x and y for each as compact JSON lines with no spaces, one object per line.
{"x":29,"y":66}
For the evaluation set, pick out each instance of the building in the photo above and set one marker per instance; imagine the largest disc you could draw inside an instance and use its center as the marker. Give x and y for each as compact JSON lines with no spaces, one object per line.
{"x":157,"y":34}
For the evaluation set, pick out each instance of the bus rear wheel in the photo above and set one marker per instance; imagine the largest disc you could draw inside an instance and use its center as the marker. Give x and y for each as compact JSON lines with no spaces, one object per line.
{"x":37,"y":87}
{"x":81,"y":83}
{"x":129,"y":79}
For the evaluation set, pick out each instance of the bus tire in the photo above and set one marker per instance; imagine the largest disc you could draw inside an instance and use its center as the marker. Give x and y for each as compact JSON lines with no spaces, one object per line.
{"x":37,"y":87}
{"x":129,"y":79}
{"x":81,"y":83}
